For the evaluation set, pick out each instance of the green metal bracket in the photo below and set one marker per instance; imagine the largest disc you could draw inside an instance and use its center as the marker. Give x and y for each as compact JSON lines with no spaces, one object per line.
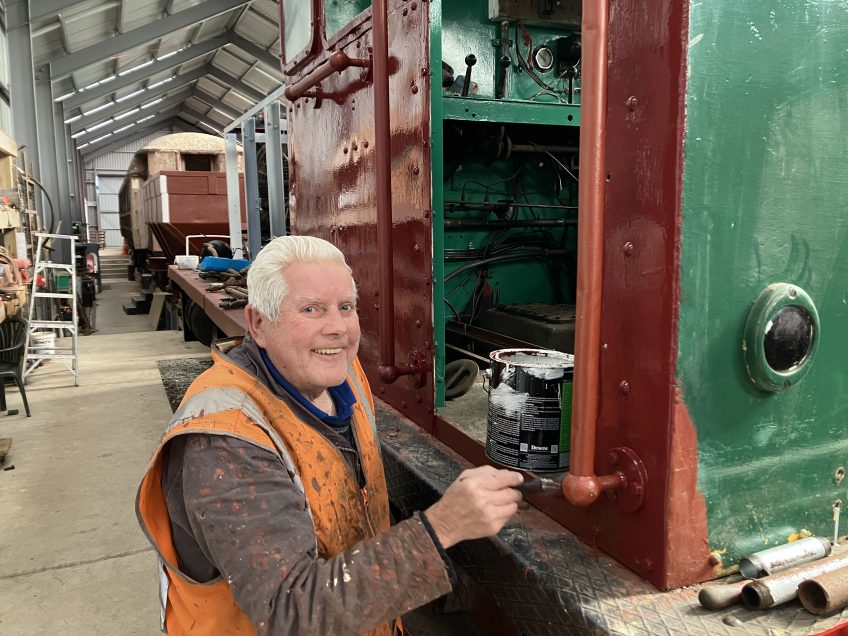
{"x":780,"y":301}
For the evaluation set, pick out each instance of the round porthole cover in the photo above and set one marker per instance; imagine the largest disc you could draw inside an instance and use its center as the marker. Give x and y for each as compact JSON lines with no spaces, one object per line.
{"x":781,"y":336}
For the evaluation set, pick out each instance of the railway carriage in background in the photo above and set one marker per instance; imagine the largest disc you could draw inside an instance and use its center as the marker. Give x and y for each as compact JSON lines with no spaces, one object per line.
{"x":657,"y":187}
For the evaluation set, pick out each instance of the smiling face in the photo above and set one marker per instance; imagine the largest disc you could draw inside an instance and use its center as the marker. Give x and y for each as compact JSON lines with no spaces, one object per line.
{"x":316,"y":336}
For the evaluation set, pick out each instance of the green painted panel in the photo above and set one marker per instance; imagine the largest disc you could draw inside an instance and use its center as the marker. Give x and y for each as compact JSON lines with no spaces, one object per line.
{"x":765,"y":196}
{"x":466,"y":28}
{"x":338,"y":13}
{"x":508,"y":111}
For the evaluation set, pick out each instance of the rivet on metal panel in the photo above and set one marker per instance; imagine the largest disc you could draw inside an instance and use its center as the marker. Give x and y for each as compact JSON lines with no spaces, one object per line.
{"x":403,"y":404}
{"x":377,"y":306}
{"x":425,"y":71}
{"x":715,"y":558}
{"x":358,"y":44}
{"x":405,"y":11}
{"x":376,"y":293}
{"x":365,"y":144}
{"x":354,"y":147}
{"x":418,"y":323}
{"x":839,"y":475}
{"x":416,"y":248}
{"x":604,"y":346}
{"x":628,"y":248}
{"x":345,"y":150}
{"x":426,"y":214}
{"x":414,"y":89}
{"x":624,"y":387}
{"x":632,"y":103}
{"x":416,"y":170}
{"x":414,"y":6}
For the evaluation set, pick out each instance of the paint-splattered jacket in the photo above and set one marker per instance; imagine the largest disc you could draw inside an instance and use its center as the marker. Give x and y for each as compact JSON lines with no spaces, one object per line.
{"x":261,"y":523}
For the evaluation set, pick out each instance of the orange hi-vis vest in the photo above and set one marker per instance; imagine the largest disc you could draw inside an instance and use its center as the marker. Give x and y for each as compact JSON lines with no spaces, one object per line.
{"x":226,"y":400}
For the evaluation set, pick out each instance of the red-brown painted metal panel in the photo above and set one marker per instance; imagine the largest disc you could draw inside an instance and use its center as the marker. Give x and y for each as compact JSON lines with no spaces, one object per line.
{"x":332,"y":192}
{"x":645,"y":127}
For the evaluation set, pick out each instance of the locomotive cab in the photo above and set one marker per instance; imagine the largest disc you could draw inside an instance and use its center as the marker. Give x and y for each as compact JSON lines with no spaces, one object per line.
{"x":636,"y":188}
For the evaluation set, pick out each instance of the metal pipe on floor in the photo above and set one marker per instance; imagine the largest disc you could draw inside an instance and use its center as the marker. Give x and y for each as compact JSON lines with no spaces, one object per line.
{"x":713,"y":597}
{"x":825,"y":593}
{"x":783,"y":557}
{"x":780,"y":588}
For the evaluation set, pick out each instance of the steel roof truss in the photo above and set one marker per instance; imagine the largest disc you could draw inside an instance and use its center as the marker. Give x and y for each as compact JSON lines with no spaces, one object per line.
{"x":233,"y":82}
{"x":101,"y":129}
{"x":216,"y":103}
{"x":116,"y":141}
{"x":120,"y":107}
{"x":190,"y":53}
{"x":65,"y":65}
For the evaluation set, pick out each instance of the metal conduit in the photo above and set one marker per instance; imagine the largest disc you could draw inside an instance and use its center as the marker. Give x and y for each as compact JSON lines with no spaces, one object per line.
{"x":581,"y":485}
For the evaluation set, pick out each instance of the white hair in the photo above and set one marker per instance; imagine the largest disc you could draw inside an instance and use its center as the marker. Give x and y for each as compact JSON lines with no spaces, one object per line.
{"x":266,"y":281}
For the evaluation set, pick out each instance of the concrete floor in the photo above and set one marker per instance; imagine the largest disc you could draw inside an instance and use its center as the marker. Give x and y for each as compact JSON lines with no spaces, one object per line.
{"x":72,"y":557}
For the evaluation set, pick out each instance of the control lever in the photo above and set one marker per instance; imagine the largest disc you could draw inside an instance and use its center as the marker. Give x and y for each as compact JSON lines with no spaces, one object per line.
{"x":505,"y":60}
{"x":470,"y":60}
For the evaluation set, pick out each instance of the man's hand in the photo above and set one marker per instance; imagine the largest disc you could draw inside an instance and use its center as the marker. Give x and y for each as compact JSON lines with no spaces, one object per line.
{"x":478,"y":504}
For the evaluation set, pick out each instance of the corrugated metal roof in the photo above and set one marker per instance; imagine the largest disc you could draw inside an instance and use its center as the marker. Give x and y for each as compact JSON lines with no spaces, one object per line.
{"x":104,"y":53}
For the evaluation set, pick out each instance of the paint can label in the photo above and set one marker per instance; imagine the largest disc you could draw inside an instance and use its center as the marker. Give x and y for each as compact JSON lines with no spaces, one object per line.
{"x":525,"y":413}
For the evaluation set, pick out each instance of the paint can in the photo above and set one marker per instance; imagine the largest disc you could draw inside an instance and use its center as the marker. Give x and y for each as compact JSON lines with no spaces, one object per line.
{"x":529,"y":424}
{"x":43,"y":342}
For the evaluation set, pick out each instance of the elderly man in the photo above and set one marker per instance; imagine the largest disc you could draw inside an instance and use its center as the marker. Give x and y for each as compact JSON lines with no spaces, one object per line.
{"x":266,"y":499}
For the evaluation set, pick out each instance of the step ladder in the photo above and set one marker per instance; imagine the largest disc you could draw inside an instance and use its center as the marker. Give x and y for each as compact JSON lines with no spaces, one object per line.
{"x":34,"y":356}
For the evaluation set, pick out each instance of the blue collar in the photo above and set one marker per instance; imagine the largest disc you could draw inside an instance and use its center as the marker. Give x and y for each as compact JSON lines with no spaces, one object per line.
{"x":342,"y":396}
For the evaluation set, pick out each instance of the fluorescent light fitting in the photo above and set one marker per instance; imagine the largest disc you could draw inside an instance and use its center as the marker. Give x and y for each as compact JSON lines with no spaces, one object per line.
{"x":101,"y":138}
{"x":86,"y":113}
{"x":122,"y":129}
{"x":62,"y":98}
{"x":79,"y":134}
{"x":212,"y":128}
{"x":146,"y":118}
{"x":130,"y":95}
{"x":127,"y":113}
{"x":106,"y":80}
{"x":73,"y":119}
{"x":100,"y":125}
{"x":153,"y":103}
{"x":165,"y":56}
{"x":135,"y":68}
{"x":164,"y":81}
{"x":87,"y":143}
